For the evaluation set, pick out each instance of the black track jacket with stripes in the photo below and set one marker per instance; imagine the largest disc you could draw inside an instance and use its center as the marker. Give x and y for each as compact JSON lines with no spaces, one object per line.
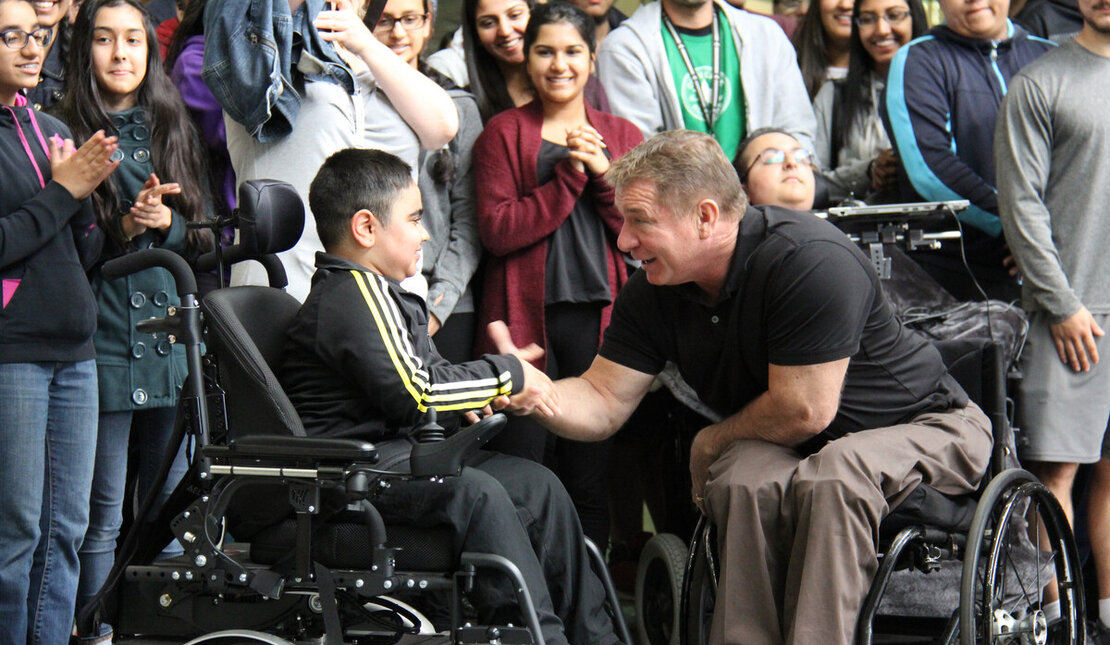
{"x":359,"y":361}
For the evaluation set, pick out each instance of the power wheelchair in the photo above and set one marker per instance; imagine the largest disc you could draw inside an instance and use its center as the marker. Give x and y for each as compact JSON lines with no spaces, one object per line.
{"x":988,"y":566}
{"x":319,"y":551}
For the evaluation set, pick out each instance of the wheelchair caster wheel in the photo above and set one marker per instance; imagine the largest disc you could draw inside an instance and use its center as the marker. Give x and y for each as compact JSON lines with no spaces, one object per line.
{"x":658,"y":590}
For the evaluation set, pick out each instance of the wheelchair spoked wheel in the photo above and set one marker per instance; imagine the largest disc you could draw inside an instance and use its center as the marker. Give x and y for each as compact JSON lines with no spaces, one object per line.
{"x":659,"y":590}
{"x":1009,"y":566}
{"x":699,"y":585}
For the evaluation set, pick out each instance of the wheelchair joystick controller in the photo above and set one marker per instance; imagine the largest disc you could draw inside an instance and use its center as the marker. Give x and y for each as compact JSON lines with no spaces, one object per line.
{"x":431,"y":431}
{"x":445,"y":456}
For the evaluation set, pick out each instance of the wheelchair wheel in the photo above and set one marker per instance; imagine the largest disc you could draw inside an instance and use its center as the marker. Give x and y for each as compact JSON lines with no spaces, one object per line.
{"x":1009,"y":564}
{"x":659,"y":589}
{"x":699,"y":586}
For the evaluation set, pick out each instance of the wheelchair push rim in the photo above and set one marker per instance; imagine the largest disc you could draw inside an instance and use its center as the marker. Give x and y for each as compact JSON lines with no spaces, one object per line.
{"x":1009,"y":564}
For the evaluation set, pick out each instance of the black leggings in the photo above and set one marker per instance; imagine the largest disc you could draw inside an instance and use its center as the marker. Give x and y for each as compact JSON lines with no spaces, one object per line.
{"x":573,"y":334}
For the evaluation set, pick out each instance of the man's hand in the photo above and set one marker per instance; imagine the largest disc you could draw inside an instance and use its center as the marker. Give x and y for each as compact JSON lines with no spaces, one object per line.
{"x":1075,"y":340}
{"x":538,"y":396}
{"x":703,"y":452}
{"x":433,"y":324}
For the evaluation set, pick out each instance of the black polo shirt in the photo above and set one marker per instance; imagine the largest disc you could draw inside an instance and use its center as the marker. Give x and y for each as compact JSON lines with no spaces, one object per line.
{"x":798,"y":292}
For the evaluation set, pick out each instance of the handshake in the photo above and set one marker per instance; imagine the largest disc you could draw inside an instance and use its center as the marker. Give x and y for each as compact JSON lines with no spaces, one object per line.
{"x":538,"y":396}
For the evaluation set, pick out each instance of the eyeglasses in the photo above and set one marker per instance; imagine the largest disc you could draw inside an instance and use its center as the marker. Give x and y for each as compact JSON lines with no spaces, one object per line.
{"x":772,"y":156}
{"x":17,"y":38}
{"x":408,"y":22}
{"x":892,"y":17}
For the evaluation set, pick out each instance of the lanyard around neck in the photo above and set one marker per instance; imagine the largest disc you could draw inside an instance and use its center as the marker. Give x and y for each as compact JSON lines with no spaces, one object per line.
{"x":27,"y":146}
{"x":708,"y":105}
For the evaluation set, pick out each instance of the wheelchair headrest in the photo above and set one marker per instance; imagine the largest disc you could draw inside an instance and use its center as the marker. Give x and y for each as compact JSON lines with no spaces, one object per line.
{"x":271,"y":216}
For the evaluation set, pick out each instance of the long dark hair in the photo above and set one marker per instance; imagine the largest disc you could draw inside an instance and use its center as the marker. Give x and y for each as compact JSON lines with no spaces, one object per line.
{"x":812,"y":46}
{"x":855,"y":93}
{"x":486,"y":82}
{"x":175,"y":148}
{"x":192,"y":24}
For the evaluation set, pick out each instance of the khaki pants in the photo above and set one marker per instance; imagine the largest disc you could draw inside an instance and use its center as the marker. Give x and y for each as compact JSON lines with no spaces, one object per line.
{"x":797,"y":535}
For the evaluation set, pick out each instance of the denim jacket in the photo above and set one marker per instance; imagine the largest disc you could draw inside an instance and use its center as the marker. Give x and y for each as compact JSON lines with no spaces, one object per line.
{"x":257,"y":56}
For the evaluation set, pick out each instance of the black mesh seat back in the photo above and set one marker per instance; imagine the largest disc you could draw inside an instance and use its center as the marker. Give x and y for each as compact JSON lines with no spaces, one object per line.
{"x":342,"y":543}
{"x":246,"y":331}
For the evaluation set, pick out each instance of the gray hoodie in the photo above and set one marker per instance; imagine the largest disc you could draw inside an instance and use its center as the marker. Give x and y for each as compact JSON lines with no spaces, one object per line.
{"x":632,"y":65}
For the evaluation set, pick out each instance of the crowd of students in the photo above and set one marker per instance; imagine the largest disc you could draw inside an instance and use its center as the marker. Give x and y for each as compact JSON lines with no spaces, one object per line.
{"x":508,"y":132}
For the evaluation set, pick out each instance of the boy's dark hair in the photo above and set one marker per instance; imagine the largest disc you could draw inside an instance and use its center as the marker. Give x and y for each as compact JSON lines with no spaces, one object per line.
{"x":351,"y":180}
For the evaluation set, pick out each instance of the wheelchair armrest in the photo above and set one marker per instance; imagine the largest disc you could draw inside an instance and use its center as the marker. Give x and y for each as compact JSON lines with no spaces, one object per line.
{"x":300,"y":449}
{"x":441,"y":458}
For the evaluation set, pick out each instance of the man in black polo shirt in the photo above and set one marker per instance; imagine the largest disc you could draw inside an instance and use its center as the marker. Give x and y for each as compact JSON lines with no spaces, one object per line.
{"x":831,"y":410}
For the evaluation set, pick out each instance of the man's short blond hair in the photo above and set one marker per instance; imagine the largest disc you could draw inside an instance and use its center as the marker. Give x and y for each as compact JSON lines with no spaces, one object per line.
{"x":685,"y":168}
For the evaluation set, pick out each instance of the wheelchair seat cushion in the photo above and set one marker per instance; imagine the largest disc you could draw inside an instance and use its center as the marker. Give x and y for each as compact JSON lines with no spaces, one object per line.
{"x":927,"y":506}
{"x":342,"y":543}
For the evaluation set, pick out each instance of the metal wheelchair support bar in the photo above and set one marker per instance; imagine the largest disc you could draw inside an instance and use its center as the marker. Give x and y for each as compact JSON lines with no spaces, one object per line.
{"x":523,"y":596}
{"x":866,"y":621}
{"x":610,"y":591}
{"x":264,"y":471}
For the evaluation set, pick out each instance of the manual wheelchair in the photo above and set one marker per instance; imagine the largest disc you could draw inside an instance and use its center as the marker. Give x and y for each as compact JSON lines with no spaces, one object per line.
{"x":321,"y":564}
{"x":969,"y":570}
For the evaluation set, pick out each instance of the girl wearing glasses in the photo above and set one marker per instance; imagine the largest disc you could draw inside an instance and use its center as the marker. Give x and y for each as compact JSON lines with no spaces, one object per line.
{"x":48,"y":399}
{"x":852,"y":144}
{"x":159,"y":186}
{"x":550,"y":227}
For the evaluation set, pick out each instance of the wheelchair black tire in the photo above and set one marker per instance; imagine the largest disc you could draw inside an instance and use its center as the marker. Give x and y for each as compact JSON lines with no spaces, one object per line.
{"x":658,"y":590}
{"x":699,"y":585}
{"x":986,"y":612}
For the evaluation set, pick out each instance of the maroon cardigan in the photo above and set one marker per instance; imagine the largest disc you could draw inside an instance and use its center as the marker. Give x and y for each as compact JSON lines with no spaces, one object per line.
{"x":516,"y":217}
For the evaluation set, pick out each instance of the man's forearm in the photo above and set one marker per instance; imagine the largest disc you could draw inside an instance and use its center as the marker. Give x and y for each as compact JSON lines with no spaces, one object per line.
{"x":585,"y":414}
{"x":766,"y":420}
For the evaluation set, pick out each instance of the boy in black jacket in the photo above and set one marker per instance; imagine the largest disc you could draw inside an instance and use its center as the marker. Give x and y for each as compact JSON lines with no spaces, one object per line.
{"x":360,"y":364}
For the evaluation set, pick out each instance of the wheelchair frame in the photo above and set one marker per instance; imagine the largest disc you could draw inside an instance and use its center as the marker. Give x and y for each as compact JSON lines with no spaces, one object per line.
{"x":215,"y":587}
{"x":989,"y":553}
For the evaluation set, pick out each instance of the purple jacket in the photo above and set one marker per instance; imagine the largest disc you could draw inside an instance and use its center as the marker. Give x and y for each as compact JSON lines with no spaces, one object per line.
{"x":207,"y":114}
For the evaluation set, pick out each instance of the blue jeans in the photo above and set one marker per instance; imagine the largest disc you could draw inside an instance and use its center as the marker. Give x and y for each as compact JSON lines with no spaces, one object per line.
{"x":151,"y":430}
{"x":48,"y":439}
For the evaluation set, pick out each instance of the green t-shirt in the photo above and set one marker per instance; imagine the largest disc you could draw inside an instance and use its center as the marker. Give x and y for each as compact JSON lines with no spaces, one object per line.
{"x":731,"y":121}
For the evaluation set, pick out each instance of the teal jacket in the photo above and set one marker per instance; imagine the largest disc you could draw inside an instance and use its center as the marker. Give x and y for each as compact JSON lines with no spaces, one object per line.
{"x":136,"y":371}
